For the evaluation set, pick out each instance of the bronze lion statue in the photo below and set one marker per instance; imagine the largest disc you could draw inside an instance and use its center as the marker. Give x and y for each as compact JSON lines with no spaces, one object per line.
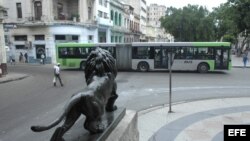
{"x":100,"y":94}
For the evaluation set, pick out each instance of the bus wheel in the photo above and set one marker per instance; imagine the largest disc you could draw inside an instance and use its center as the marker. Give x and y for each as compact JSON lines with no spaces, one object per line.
{"x":143,"y":66}
{"x":203,"y":68}
{"x":82,"y":66}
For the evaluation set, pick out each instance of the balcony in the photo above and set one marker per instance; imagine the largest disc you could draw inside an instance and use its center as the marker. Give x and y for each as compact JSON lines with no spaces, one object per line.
{"x":66,"y":10}
{"x":105,"y":21}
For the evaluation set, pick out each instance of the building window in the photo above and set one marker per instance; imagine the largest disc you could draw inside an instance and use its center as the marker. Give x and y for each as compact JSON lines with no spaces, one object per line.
{"x":111,"y":15}
{"x":120,"y":19}
{"x":125,"y":21}
{"x":19,"y":10}
{"x":100,"y":2}
{"x":100,"y":13}
{"x":120,"y":39}
{"x":116,"y":18}
{"x":60,"y":13}
{"x":39,"y":37}
{"x":38,"y":10}
{"x":105,"y":3}
{"x":89,"y":13}
{"x":90,"y":38}
{"x":20,"y":38}
{"x":116,"y":39}
{"x":60,"y":37}
{"x":74,"y":37}
{"x":20,"y":47}
{"x":112,"y":39}
{"x":105,"y":15}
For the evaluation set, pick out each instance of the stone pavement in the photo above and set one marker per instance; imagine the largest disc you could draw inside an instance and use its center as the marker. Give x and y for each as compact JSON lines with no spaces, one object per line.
{"x":194,"y":121}
{"x":191,"y":121}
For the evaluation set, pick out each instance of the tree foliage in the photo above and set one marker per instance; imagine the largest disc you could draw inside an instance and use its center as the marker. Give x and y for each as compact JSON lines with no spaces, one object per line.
{"x":190,"y":23}
{"x":196,"y":23}
{"x":233,"y":22}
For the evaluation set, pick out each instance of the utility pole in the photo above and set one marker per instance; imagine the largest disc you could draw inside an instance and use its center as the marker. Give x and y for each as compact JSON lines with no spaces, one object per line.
{"x":170,"y":63}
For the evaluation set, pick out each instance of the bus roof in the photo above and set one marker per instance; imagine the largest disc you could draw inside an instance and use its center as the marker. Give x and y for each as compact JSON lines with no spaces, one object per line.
{"x":86,"y":44}
{"x":74,"y":44}
{"x":182,"y":44}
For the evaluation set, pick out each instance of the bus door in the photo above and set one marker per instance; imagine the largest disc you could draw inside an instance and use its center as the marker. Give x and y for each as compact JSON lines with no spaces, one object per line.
{"x":161,"y":58}
{"x":221,"y":58}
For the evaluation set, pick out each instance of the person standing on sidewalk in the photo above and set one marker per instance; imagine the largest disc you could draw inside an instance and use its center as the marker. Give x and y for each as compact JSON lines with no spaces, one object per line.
{"x":26,"y":57}
{"x":12,"y":59}
{"x":42,"y":58}
{"x":57,"y":74}
{"x":245,"y":58}
{"x":21,"y":57}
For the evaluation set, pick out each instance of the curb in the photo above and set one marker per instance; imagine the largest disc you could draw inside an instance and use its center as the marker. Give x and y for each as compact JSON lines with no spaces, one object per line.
{"x":13,"y":79}
{"x":240,"y":67}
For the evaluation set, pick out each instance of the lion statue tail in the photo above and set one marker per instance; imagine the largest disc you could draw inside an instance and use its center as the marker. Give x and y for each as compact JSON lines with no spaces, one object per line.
{"x":43,"y":128}
{"x":74,"y":99}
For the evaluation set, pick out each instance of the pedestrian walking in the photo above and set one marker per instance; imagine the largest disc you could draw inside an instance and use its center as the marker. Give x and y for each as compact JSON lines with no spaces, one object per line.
{"x":12,"y":59}
{"x":57,"y":74}
{"x":21,"y":57}
{"x":42,"y":58}
{"x":26,"y":57}
{"x":245,"y":58}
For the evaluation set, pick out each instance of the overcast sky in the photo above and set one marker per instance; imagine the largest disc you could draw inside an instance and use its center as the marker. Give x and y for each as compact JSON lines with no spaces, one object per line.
{"x":181,"y":3}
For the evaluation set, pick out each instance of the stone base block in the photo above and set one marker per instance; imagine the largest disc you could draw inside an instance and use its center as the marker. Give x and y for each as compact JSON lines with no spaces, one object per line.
{"x":127,"y":129}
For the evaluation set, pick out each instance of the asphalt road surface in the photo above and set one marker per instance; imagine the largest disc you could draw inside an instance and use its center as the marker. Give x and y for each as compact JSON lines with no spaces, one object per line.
{"x":34,"y":100}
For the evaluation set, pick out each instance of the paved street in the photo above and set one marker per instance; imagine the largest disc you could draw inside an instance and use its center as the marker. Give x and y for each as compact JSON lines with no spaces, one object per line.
{"x":34,"y":100}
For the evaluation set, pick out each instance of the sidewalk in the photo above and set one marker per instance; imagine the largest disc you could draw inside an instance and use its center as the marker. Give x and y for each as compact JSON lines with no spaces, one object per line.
{"x":12,"y":77}
{"x":17,"y":76}
{"x":237,"y":62}
{"x":193,"y":121}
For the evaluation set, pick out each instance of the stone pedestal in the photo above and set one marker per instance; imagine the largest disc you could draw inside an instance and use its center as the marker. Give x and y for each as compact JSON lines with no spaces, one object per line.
{"x":121,"y":126}
{"x":127,"y":129}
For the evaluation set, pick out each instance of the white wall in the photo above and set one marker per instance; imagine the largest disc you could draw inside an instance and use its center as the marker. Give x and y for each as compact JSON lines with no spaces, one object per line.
{"x":71,"y":30}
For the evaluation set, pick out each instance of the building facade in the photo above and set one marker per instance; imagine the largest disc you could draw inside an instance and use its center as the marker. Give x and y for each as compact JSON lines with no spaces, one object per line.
{"x":3,"y":60}
{"x":140,"y":8}
{"x":117,"y":16}
{"x":40,"y":24}
{"x":132,"y":24}
{"x":155,"y":12}
{"x":154,"y":31}
{"x":36,"y":26}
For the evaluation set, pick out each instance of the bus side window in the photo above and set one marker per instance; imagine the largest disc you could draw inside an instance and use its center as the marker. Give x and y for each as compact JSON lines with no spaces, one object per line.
{"x":179,"y":53}
{"x":77,"y":52}
{"x":189,"y":54}
{"x":61,"y":52}
{"x":134,"y":53}
{"x":151,"y":53}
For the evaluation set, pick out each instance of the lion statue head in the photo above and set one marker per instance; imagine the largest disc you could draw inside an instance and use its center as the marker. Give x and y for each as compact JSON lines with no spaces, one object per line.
{"x":99,"y":62}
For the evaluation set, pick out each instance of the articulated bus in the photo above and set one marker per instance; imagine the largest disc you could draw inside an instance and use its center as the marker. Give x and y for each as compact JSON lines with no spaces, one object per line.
{"x":190,"y":56}
{"x":74,"y":55}
{"x":150,"y":56}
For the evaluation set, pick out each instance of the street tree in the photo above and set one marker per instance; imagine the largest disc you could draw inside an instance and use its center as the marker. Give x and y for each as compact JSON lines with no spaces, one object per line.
{"x":233,"y":21}
{"x":190,"y":23}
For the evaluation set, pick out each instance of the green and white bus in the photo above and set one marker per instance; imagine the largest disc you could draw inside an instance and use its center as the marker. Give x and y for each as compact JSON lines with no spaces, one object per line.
{"x":74,"y":55}
{"x":150,"y":56}
{"x":188,"y":56}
